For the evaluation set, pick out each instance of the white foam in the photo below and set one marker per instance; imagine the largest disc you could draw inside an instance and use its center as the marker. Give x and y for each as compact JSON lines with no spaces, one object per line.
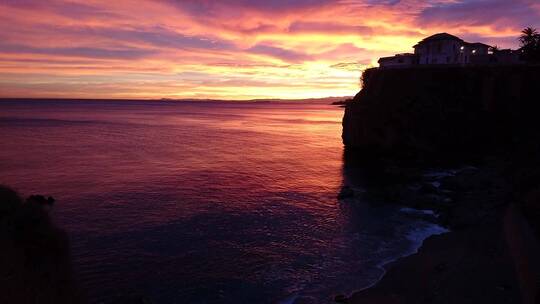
{"x":418,"y":211}
{"x":419,"y":235}
{"x":436,"y":184}
{"x":289,"y":300}
{"x":440,"y":174}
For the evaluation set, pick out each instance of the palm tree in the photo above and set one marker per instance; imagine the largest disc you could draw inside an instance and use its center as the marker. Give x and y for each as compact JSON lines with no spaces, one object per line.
{"x":530,"y":44}
{"x":529,"y":36}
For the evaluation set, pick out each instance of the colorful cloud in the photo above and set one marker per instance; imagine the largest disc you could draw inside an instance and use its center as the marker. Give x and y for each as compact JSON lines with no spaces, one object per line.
{"x":229,"y":49}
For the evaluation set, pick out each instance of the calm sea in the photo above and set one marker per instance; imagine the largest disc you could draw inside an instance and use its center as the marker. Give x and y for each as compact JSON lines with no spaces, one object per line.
{"x":202,"y":202}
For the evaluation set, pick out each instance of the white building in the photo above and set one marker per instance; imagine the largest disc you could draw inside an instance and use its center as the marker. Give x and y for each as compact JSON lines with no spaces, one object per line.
{"x":442,"y":49}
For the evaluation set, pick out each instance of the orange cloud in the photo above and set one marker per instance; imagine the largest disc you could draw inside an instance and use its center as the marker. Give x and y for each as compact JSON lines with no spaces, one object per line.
{"x":233,"y":49}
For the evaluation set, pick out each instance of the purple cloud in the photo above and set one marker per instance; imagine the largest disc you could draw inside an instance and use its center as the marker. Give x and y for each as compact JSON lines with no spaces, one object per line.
{"x":283,"y":54}
{"x":198,"y":7}
{"x":66,"y":9}
{"x":89,"y":52}
{"x":482,"y":12}
{"x":328,"y":27}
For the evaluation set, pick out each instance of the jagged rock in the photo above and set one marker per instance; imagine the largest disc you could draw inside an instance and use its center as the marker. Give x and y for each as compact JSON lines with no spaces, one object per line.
{"x":346,"y":192}
{"x":40,"y":199}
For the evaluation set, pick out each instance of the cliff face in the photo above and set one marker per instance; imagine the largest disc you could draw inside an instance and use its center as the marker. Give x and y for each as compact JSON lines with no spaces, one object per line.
{"x":456,"y":115}
{"x":443,"y":112}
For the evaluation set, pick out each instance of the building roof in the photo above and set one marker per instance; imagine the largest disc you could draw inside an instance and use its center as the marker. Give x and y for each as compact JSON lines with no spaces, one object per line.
{"x":477,"y":44}
{"x":406,"y":55}
{"x":396,"y":56}
{"x":439,"y":37}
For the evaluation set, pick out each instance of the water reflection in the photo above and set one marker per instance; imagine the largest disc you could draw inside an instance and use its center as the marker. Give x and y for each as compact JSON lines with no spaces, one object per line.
{"x":214,"y":203}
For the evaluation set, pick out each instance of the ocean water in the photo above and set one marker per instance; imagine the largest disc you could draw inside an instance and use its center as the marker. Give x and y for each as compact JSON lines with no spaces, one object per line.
{"x":203,"y":202}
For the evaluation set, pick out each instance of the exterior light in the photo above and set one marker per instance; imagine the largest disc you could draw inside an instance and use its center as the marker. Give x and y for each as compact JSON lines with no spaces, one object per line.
{"x":462,"y":48}
{"x":474,"y":51}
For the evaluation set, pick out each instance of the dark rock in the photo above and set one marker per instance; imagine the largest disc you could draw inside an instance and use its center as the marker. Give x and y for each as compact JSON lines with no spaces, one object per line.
{"x":443,"y":114}
{"x":342,"y":103}
{"x":340,"y":299}
{"x":35,"y":264}
{"x":346,"y":192}
{"x":133,"y":299}
{"x":40,"y":199}
{"x":9,"y":201}
{"x":505,"y":287}
{"x":441,"y":267}
{"x":428,"y":189}
{"x":400,"y":174}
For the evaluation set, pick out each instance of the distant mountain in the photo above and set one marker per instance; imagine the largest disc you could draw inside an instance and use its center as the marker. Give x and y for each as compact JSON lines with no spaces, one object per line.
{"x":306,"y":100}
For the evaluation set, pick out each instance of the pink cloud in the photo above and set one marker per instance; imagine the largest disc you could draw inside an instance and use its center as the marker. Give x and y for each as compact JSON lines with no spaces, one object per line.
{"x":292,"y":48}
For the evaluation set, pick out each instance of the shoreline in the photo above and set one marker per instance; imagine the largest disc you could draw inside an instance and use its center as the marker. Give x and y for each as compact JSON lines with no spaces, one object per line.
{"x":437,"y":274}
{"x":468,"y":264}
{"x":385,"y":265}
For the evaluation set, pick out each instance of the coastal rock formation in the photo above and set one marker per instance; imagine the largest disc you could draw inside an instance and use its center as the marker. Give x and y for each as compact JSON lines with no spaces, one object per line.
{"x":443,"y":112}
{"x":452,"y":117}
{"x":35,"y":264}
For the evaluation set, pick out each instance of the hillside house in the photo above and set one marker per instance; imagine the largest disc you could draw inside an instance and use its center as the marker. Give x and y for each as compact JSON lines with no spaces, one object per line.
{"x":446,"y":49}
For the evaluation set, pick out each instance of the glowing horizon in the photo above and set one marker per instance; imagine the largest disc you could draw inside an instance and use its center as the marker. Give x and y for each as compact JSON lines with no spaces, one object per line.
{"x":230,"y":49}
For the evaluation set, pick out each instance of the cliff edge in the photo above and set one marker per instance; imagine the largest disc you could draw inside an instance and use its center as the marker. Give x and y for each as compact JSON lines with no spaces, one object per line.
{"x":443,"y":112}
{"x":455,"y":116}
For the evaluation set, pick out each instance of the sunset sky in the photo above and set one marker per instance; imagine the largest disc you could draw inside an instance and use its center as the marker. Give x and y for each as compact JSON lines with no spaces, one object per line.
{"x":227,"y":49}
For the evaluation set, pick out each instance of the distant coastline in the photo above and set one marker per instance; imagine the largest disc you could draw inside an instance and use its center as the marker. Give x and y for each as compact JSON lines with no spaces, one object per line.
{"x":270,"y":100}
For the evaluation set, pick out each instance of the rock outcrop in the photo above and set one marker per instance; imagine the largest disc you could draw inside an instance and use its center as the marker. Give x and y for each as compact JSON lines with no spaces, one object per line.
{"x":35,"y":263}
{"x":443,"y":112}
{"x":434,"y":116}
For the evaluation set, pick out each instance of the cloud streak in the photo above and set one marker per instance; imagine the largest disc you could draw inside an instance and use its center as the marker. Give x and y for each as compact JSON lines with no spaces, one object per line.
{"x":235,"y":49}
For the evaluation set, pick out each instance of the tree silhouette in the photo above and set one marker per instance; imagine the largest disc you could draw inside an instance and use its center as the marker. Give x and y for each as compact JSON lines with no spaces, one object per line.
{"x":528,"y":36}
{"x":530,"y":44}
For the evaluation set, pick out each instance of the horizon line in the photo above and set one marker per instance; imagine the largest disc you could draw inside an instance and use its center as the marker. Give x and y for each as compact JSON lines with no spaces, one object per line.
{"x":166,"y":99}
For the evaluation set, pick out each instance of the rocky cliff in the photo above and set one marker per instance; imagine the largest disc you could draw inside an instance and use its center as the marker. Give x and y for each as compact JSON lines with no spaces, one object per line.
{"x":443,"y":112}
{"x":454,"y":115}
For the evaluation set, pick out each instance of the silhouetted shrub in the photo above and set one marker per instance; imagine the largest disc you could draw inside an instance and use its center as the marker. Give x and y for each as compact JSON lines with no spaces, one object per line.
{"x":364,"y":78}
